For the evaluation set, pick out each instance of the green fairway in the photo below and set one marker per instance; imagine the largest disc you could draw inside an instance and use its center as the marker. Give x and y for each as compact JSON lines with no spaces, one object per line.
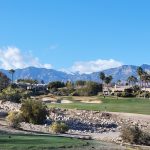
{"x":32,"y":142}
{"x":129,"y":105}
{"x":36,"y":142}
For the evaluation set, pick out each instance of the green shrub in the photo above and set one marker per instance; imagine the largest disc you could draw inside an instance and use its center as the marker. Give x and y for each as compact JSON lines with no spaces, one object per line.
{"x":144,"y":94}
{"x":75,"y":93}
{"x":4,"y":81}
{"x":129,"y":90}
{"x":91,"y":89}
{"x":14,"y":94}
{"x":33,"y":111}
{"x":56,"y":85}
{"x":80,"y":83}
{"x":65,"y":91}
{"x":14,"y":118}
{"x":136,"y":88}
{"x":57,"y":127}
{"x":126,"y":94}
{"x":30,"y":81}
{"x":134,"y":135}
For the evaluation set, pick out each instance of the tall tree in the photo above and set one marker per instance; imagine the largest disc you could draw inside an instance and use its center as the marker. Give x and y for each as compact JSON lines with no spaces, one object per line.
{"x":4,"y":81}
{"x":42,"y":82}
{"x":140,"y":72}
{"x":119,"y":82}
{"x":146,"y":79}
{"x":12,"y":71}
{"x":108,"y":79}
{"x":102,"y":77}
{"x":80,"y":83}
{"x":132,"y":80}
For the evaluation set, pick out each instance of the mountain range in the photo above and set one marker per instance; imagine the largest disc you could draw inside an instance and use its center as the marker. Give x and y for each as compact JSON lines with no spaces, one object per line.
{"x":48,"y":75}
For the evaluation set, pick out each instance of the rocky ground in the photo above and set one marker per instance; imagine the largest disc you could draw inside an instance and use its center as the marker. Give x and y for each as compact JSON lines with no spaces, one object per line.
{"x":98,"y":125}
{"x":85,"y":121}
{"x":9,"y":106}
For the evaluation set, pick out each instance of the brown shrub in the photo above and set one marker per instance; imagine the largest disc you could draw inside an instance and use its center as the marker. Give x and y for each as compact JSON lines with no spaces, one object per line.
{"x":134,"y":135}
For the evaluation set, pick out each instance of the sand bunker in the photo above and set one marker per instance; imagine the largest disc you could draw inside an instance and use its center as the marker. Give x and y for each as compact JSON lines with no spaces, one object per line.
{"x":65,"y":101}
{"x":87,"y":99}
{"x":49,"y":98}
{"x":91,"y":102}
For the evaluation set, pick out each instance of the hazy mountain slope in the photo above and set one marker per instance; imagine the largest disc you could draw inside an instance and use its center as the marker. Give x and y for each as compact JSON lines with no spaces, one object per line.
{"x":121,"y":73}
{"x":48,"y":75}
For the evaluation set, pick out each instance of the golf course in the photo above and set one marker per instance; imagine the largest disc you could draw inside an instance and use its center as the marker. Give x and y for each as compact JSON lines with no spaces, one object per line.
{"x":110,"y":104}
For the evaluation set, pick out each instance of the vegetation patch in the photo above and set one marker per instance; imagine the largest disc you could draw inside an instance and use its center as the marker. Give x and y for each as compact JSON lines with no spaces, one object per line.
{"x":135,"y":135}
{"x":14,"y":118}
{"x":59,"y":127}
{"x":33,"y":111}
{"x":32,"y":142}
{"x":111,"y":104}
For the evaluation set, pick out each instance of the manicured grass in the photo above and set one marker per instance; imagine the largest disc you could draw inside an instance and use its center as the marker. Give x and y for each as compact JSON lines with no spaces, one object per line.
{"x":129,"y":105}
{"x":34,"y":142}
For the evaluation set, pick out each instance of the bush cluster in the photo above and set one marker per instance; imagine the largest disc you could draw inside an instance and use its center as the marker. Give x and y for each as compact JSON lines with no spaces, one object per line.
{"x":14,"y":118}
{"x":144,"y":94}
{"x":83,"y":88}
{"x":125,"y":94}
{"x":34,"y":111}
{"x":91,"y":89}
{"x":135,"y":135}
{"x":56,"y":84}
{"x":14,"y":94}
{"x":59,"y":127}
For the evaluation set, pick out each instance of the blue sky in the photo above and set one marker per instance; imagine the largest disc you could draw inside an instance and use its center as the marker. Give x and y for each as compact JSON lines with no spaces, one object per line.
{"x":75,"y":35}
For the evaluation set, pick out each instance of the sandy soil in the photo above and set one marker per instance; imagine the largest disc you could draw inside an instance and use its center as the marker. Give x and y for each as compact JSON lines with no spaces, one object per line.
{"x":135,"y":117}
{"x":65,"y":101}
{"x":86,"y":99}
{"x":82,"y":99}
{"x":91,"y":102}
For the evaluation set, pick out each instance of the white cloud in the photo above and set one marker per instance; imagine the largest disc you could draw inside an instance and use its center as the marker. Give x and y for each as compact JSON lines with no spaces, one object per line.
{"x":11,"y":57}
{"x":93,"y":66}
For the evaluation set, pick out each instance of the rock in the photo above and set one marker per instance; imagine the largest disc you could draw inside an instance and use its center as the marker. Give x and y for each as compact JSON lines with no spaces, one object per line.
{"x":3,"y":113}
{"x":85,"y":121}
{"x":10,"y":106}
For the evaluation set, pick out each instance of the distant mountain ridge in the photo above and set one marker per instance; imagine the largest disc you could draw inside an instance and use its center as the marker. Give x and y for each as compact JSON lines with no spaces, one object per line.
{"x":48,"y":75}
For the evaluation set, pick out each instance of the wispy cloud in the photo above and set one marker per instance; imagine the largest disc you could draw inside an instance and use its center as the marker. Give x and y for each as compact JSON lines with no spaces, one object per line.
{"x":12,"y":57}
{"x":93,"y":66}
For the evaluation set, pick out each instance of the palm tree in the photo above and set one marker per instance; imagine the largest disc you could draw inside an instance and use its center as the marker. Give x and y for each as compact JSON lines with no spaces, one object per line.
{"x":12,"y":71}
{"x":119,"y":82}
{"x":4,"y":81}
{"x":132,"y":80}
{"x":146,"y":79}
{"x":140,"y":72}
{"x":102,"y":77}
{"x":108,"y":79}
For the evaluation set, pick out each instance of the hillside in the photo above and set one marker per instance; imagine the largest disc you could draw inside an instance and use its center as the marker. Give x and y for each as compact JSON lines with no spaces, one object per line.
{"x":48,"y":75}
